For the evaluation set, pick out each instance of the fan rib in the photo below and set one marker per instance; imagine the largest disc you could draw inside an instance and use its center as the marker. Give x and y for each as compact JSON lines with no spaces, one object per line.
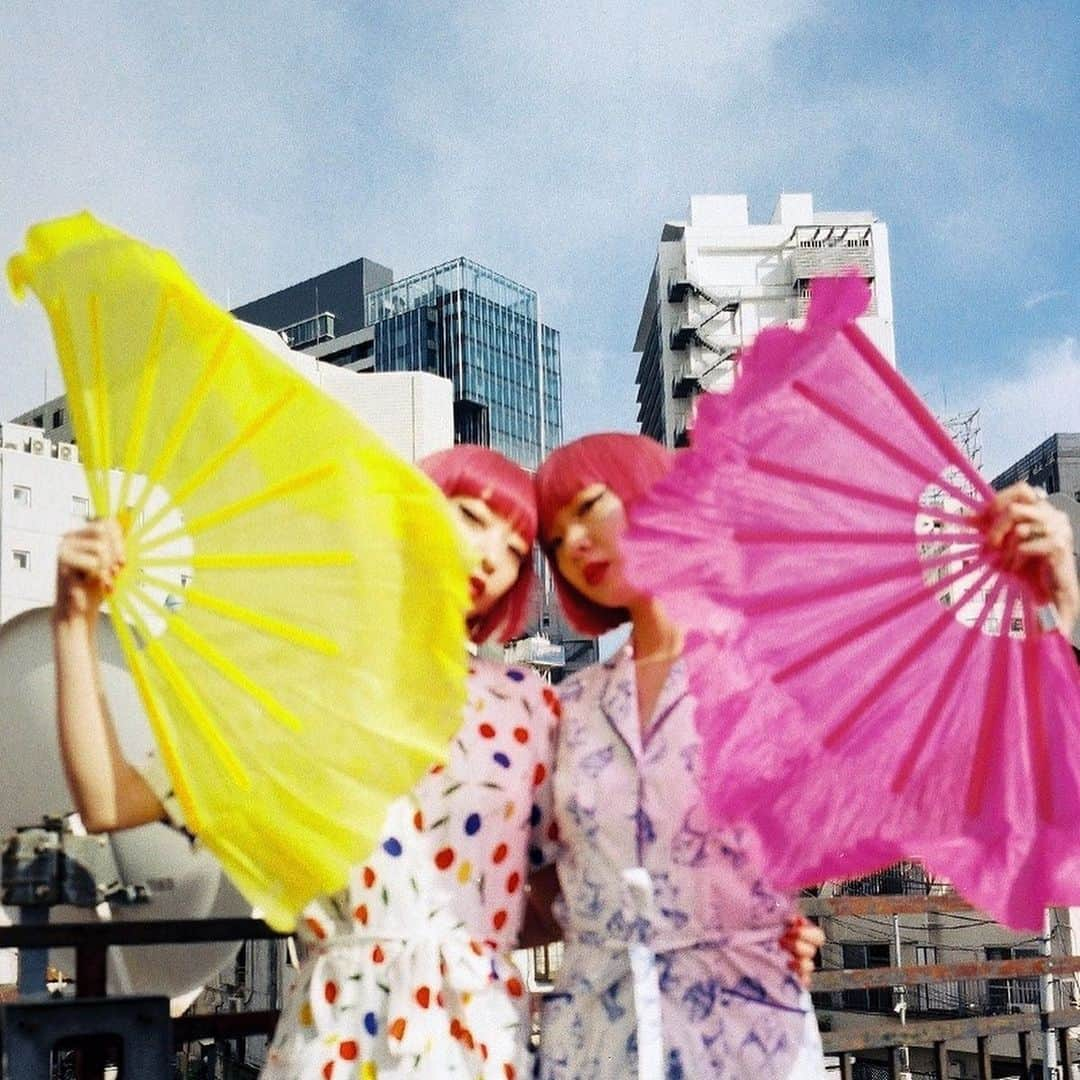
{"x":214,"y":464}
{"x":215,"y":659}
{"x":873,"y":622}
{"x":821,"y":536}
{"x":69,"y":367}
{"x":1038,"y":740}
{"x":850,"y":491}
{"x":989,"y":722}
{"x":932,"y":715}
{"x":156,"y":711}
{"x":289,"y":486}
{"x":754,"y":603}
{"x":923,"y":639}
{"x":890,"y":450}
{"x":182,"y":424}
{"x":181,"y":686}
{"x":237,"y":613}
{"x":252,"y":560}
{"x":144,"y":398}
{"x":918,"y":412}
{"x":99,"y":384}
{"x":197,"y":713}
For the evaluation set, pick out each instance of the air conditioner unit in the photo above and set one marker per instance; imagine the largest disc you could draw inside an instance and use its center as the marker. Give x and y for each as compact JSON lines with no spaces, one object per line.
{"x":11,"y":446}
{"x":38,"y":446}
{"x":68,"y":452}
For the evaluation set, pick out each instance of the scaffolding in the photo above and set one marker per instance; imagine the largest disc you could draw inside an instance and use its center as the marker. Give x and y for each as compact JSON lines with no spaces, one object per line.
{"x":966,"y":431}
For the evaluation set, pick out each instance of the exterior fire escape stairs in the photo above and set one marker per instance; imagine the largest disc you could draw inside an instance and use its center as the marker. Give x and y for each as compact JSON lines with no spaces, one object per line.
{"x":686,"y":384}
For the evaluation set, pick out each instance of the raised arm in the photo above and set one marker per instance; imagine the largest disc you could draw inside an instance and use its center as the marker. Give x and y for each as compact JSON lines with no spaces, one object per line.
{"x":109,"y":792}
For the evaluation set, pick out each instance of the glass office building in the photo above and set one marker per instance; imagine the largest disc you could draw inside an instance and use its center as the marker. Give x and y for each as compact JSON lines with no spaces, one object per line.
{"x":482,"y":331}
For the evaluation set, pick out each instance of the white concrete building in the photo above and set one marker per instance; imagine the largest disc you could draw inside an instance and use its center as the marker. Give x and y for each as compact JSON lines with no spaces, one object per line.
{"x":411,"y":411}
{"x":43,"y":494}
{"x":718,"y":280}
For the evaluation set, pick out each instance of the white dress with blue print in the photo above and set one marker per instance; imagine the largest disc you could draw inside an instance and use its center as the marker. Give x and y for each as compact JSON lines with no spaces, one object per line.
{"x":652,"y":889}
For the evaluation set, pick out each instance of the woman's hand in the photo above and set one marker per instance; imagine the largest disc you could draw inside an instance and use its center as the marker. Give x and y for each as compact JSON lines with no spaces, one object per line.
{"x":87,"y":563}
{"x":1035,"y":539}
{"x":802,"y":939}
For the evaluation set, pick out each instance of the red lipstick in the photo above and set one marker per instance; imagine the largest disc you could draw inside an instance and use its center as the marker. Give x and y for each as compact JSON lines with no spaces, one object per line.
{"x":594,"y":572}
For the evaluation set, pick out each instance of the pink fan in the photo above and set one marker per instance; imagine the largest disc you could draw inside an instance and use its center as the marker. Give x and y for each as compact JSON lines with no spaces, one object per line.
{"x":880,"y":687}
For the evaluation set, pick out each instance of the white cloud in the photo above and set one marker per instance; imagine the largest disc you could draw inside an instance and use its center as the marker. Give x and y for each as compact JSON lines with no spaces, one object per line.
{"x":1042,"y":398}
{"x":1036,"y":299}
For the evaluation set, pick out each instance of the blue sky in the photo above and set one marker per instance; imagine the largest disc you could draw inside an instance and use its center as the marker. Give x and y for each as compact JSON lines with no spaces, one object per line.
{"x":262,"y":144}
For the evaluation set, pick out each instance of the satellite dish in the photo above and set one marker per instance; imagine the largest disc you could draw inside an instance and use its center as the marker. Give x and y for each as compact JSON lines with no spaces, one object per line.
{"x":184,"y":882}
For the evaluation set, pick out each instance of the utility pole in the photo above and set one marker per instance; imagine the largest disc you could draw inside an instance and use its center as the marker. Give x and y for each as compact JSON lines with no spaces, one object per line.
{"x":901,"y":1005}
{"x":1050,"y":1054}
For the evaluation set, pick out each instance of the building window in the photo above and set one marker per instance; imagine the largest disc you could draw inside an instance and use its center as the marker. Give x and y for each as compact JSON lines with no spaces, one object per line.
{"x":21,"y":494}
{"x":1010,"y":995}
{"x":871,"y":955}
{"x":58,"y":418}
{"x":80,"y":506}
{"x":21,"y":559}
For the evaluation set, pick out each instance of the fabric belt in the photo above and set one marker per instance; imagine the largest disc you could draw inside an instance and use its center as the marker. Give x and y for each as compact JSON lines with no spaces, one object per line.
{"x":614,"y":960}
{"x":430,"y":974}
{"x":646,"y":980}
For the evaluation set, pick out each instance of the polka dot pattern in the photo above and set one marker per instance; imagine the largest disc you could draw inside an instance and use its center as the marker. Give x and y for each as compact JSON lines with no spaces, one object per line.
{"x":467,"y":834}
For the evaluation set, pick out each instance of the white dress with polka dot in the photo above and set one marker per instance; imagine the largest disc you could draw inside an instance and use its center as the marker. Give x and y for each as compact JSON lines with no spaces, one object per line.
{"x":406,"y":972}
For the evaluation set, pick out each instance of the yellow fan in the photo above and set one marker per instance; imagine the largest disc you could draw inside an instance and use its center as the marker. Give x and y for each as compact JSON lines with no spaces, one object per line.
{"x":292,"y":607}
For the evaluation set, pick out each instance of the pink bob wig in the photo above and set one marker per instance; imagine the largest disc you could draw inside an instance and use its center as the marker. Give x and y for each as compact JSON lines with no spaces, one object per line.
{"x":626,"y":464}
{"x":476,"y":472}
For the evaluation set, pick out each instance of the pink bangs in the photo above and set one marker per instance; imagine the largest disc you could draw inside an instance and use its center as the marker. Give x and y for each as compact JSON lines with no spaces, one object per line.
{"x":627,"y":464}
{"x":479,"y":473}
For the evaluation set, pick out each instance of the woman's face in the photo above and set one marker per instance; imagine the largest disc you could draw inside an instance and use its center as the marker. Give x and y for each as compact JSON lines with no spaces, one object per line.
{"x":584,"y":540}
{"x":500,"y":550}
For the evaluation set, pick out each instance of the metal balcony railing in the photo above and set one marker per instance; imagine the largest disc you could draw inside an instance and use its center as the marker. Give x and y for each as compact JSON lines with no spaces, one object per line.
{"x":309,"y":331}
{"x":901,"y":879}
{"x":808,"y":263}
{"x":91,"y":942}
{"x":802,"y":304}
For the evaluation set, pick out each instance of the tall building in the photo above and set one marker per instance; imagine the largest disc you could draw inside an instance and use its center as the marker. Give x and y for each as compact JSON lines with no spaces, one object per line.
{"x":459,"y":320}
{"x":1053,"y":465}
{"x":328,"y":307}
{"x":718,"y":280}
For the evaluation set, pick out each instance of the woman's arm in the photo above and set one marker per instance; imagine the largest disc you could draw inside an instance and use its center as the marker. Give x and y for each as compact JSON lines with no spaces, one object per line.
{"x":109,"y":792}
